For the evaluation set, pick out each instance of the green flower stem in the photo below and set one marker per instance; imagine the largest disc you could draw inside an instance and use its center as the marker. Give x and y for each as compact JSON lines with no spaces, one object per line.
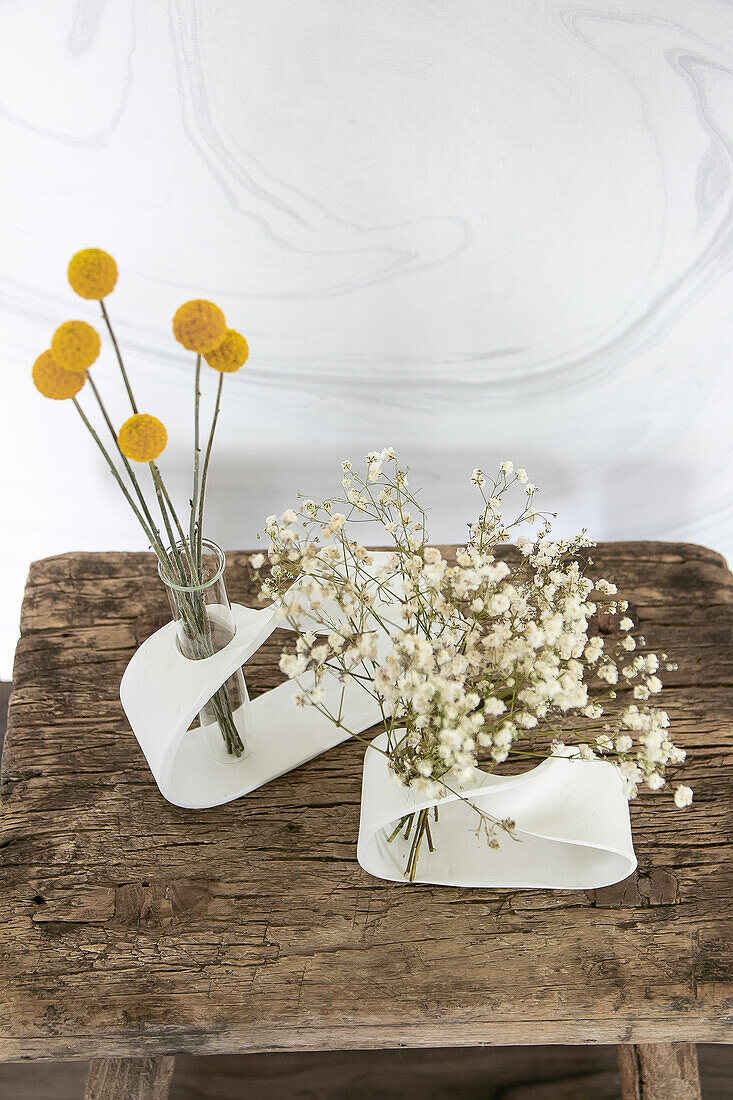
{"x":412,"y":859}
{"x":195,"y":575}
{"x":196,"y":450}
{"x":166,"y":520}
{"x":157,"y":541}
{"x":394,"y":833}
{"x":113,"y":470}
{"x":207,"y":456}
{"x":160,"y":550}
{"x":125,"y":379}
{"x":159,"y":486}
{"x":197,"y":623}
{"x":193,"y":609}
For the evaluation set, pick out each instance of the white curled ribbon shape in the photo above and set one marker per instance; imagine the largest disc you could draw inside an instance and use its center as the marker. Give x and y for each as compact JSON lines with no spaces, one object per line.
{"x":572,"y":826}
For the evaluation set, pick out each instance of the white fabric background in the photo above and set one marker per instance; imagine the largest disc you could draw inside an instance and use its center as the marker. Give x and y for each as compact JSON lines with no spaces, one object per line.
{"x":469,"y":230}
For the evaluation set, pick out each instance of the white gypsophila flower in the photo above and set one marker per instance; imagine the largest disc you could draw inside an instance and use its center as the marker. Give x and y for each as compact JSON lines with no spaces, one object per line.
{"x":257,"y":561}
{"x":494,"y":706}
{"x":526,"y":720}
{"x":470,"y":658}
{"x":682,"y":796}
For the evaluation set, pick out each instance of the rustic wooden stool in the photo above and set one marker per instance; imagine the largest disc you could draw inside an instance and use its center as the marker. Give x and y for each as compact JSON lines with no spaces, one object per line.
{"x":131,"y":930}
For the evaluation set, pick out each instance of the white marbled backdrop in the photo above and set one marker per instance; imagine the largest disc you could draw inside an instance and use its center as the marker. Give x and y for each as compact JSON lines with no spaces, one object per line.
{"x":469,"y":229}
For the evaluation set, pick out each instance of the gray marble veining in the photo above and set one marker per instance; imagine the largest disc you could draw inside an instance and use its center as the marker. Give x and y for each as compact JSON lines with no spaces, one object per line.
{"x":468,"y":230}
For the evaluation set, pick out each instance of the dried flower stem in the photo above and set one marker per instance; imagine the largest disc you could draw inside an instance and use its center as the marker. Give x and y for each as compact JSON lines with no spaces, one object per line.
{"x":115,"y":473}
{"x":60,"y":372}
{"x":196,"y":457}
{"x":156,"y":541}
{"x":193,"y":610}
{"x":207,"y":456}
{"x":115,"y":345}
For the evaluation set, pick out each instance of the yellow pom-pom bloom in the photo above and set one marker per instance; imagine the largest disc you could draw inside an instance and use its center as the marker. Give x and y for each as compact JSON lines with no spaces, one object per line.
{"x":199,"y":325}
{"x":53,"y":381}
{"x":142,"y":438}
{"x":75,"y":345}
{"x":231,"y":354}
{"x":92,"y":273}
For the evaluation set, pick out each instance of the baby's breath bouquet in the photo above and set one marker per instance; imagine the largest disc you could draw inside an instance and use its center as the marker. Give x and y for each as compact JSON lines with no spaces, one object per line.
{"x":186,"y":560}
{"x":476,"y":661}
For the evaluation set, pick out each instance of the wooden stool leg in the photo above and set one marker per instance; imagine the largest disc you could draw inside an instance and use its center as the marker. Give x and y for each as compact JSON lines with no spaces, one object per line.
{"x":659,"y":1071}
{"x":129,"y":1078}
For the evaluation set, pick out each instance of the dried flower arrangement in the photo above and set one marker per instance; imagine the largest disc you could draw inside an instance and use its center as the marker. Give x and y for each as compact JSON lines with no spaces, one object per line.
{"x":472,"y":663}
{"x":62,"y":371}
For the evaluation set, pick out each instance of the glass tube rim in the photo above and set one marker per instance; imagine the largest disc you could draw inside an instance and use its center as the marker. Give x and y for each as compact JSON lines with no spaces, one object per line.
{"x":219,"y":554}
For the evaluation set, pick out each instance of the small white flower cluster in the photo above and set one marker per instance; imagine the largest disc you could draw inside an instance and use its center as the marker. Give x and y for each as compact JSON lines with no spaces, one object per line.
{"x":474,"y":659}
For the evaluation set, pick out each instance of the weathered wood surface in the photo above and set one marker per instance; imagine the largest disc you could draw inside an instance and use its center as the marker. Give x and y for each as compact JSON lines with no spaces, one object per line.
{"x":130,"y":1078}
{"x":129,"y":927}
{"x":659,"y":1071}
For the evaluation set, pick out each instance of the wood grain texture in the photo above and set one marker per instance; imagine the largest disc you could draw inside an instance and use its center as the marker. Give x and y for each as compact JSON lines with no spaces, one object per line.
{"x":659,"y":1071}
{"x":131,"y":927}
{"x":130,"y":1078}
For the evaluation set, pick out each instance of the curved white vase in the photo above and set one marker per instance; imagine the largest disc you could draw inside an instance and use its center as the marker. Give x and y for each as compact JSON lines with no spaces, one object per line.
{"x":162,"y":692}
{"x":572,"y":816}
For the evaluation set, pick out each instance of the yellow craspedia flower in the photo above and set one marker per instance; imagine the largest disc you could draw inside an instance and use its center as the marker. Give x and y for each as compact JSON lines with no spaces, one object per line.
{"x":199,"y":325}
{"x":53,"y":381}
{"x":92,"y":273}
{"x":230,"y":354}
{"x":75,"y":345}
{"x":142,"y":438}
